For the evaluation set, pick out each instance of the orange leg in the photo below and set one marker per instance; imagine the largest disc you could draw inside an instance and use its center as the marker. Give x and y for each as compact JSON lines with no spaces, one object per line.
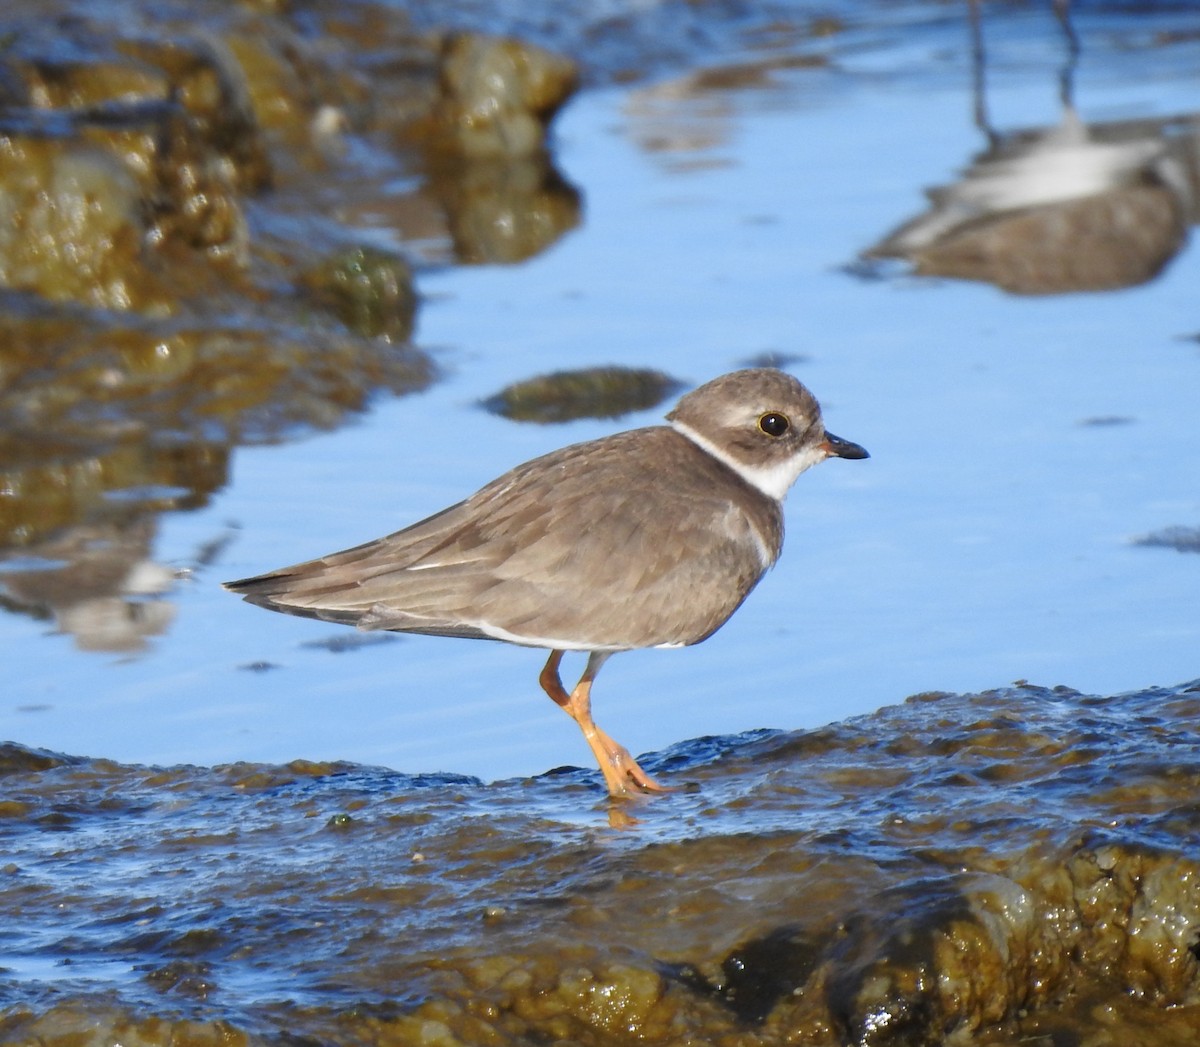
{"x":621,"y":771}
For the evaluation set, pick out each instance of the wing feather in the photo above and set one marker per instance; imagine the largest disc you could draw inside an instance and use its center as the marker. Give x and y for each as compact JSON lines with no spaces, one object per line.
{"x":564,"y":551}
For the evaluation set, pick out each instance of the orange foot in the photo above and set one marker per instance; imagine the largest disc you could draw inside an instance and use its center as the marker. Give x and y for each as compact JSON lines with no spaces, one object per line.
{"x":622,"y":774}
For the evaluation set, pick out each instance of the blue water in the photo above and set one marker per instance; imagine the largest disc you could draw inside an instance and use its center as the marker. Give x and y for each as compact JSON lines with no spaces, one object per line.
{"x":989,"y":538}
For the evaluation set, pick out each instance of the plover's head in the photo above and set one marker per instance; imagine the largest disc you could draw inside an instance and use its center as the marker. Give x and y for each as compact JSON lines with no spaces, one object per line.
{"x":763,"y":424}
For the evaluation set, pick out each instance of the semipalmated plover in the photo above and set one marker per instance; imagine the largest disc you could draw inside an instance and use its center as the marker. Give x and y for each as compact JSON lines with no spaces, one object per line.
{"x":647,"y":538}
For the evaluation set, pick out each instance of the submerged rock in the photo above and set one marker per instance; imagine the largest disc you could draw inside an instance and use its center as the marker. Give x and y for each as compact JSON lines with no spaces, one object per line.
{"x":592,"y":392}
{"x":369,"y":290}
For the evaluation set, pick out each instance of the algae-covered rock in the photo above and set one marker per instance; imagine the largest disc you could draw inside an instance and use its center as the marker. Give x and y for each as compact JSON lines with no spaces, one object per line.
{"x":497,"y":96}
{"x":126,"y":162}
{"x":597,"y":392}
{"x":150,"y":407}
{"x":73,"y":224}
{"x":19,"y":759}
{"x":1018,"y":866}
{"x":369,"y":290}
{"x":104,"y":1026}
{"x":132,"y":147}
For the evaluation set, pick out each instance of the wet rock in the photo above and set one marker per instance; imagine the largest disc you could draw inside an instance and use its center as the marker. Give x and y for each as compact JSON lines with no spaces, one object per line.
{"x":135,"y":148}
{"x":129,"y":151}
{"x":19,"y":759}
{"x":496,"y":97}
{"x":125,"y":148}
{"x":759,"y":973}
{"x":115,"y":85}
{"x":370,"y":291}
{"x":925,"y":959}
{"x":72,"y":225}
{"x":82,"y":1027}
{"x":288,"y":91}
{"x":1014,"y":866}
{"x":597,"y":392}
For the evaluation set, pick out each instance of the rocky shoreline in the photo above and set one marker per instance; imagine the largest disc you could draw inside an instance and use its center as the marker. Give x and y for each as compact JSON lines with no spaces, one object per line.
{"x":1014,"y":866}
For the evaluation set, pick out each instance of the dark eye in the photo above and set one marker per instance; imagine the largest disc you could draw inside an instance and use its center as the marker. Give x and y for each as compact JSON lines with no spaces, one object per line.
{"x":774,"y":424}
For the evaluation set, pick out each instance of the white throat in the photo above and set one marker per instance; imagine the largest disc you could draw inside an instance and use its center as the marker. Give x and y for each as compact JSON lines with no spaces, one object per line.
{"x":773,"y":480}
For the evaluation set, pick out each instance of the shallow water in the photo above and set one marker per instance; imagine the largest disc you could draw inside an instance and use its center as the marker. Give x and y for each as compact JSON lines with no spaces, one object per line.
{"x":299,"y":831}
{"x":1020,"y":445}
